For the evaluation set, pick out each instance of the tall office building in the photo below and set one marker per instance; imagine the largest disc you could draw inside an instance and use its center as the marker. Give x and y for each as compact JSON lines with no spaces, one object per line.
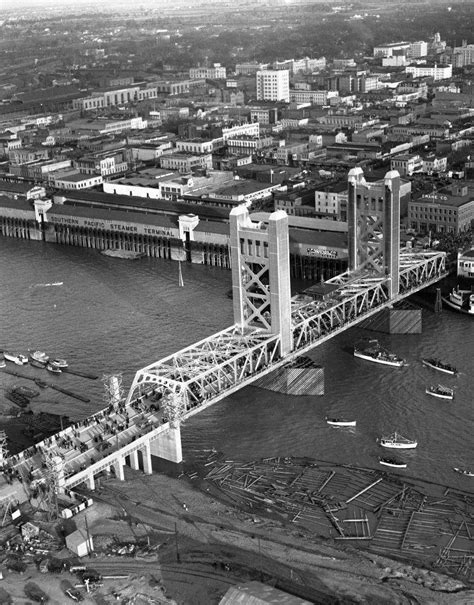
{"x":273,"y":85}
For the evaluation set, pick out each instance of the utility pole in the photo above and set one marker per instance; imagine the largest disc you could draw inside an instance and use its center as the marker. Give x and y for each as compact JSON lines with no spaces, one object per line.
{"x":178,"y":558}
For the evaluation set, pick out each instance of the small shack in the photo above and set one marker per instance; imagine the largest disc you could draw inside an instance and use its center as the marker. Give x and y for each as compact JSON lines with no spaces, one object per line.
{"x":80,"y":543}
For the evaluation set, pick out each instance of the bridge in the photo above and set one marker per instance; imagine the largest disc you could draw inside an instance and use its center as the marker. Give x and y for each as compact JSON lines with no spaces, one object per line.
{"x":271,"y":328}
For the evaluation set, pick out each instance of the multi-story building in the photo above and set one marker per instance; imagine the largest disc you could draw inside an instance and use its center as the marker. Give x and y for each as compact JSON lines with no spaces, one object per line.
{"x":406,"y":164}
{"x":437,"y":72}
{"x":249,"y":69}
{"x":76,"y":181}
{"x":331,"y":201}
{"x":387,"y":50}
{"x":273,"y":85}
{"x":186,"y":162}
{"x":194,"y":146}
{"x":264,"y":115}
{"x":247,"y":129}
{"x":315,"y":97}
{"x":441,"y":213}
{"x":216,"y":72}
{"x":105,"y":163}
{"x":433,"y":163}
{"x":463,"y":55}
{"x":245,"y":145}
{"x":418,"y":49}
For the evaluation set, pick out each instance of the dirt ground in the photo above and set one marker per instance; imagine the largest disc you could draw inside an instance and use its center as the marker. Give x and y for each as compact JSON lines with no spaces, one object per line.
{"x":199,"y":547}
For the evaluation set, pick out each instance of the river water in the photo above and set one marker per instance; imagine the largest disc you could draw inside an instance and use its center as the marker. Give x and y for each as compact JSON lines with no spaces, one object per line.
{"x":111,"y":315}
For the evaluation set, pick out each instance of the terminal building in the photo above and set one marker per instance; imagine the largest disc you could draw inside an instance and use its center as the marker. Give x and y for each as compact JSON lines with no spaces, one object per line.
{"x":158,"y":228}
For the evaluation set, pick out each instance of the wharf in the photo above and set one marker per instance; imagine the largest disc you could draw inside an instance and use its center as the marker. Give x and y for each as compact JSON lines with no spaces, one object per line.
{"x":381,"y":512}
{"x":48,"y":384}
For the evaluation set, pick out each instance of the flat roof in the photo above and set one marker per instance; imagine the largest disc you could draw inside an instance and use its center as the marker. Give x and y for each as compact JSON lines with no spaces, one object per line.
{"x":77,"y":178}
{"x":143,"y":205}
{"x":445,"y":200}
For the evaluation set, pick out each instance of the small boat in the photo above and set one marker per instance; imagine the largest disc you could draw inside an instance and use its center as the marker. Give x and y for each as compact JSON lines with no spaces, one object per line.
{"x":53,"y":368}
{"x":437,"y":364}
{"x":60,"y":363}
{"x":440,"y":391}
{"x":2,"y":362}
{"x":393,"y":462}
{"x":17,"y":398}
{"x":17,"y":358}
{"x":340,"y":422}
{"x":463,"y":471}
{"x":38,"y":364}
{"x":396,"y":441}
{"x":41,"y":383}
{"x":376,"y":353}
{"x":39,"y":356}
{"x":460,"y":300}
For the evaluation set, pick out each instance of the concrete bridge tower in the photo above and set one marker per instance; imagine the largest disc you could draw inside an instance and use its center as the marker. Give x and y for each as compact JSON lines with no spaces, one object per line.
{"x":261,"y":274}
{"x":374,"y":226}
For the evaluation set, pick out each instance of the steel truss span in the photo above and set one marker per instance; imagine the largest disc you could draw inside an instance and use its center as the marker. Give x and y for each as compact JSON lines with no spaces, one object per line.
{"x":213,"y":368}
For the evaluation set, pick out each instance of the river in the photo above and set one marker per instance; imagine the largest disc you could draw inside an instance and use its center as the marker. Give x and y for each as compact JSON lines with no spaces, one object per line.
{"x":111,"y":315}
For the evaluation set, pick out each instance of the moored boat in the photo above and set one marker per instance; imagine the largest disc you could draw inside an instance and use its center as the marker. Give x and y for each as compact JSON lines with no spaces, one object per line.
{"x":397,"y":441}
{"x":437,"y":364}
{"x":440,"y":391}
{"x":378,"y":354}
{"x":463,"y":471}
{"x":340,"y":422}
{"x":17,"y":358}
{"x":460,"y":300}
{"x":53,"y":368}
{"x":393,"y":462}
{"x":39,"y":356}
{"x":60,"y":363}
{"x":2,"y":362}
{"x":38,"y":364}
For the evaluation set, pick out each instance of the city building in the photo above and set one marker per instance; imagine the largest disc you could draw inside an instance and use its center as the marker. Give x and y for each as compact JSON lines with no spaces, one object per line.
{"x":216,"y":72}
{"x":331,"y":201}
{"x":437,"y":72}
{"x":186,"y":162}
{"x":273,"y":85}
{"x":463,"y":55}
{"x":442,"y":213}
{"x":387,"y":50}
{"x":76,"y":181}
{"x":406,"y":164}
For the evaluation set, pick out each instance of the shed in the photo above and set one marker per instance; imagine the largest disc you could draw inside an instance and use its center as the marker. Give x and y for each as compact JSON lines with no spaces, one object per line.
{"x":79,"y":543}
{"x":256,"y":593}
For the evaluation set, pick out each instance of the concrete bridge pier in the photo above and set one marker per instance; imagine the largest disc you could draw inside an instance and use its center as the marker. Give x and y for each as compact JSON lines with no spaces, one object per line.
{"x":134,"y":460}
{"x":146,"y":455}
{"x":118,"y":466}
{"x":168,"y":445}
{"x":91,"y":482}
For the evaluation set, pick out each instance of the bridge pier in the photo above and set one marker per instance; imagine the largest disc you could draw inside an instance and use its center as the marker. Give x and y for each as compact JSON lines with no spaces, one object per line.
{"x":91,"y":482}
{"x":118,"y":466}
{"x":134,"y":460}
{"x":168,"y":445}
{"x":146,"y":455}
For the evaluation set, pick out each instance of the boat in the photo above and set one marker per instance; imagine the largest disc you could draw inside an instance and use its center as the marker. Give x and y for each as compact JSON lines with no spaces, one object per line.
{"x":17,"y":358}
{"x":53,"y":368}
{"x":463,"y":471}
{"x":60,"y":363}
{"x":2,"y":362}
{"x":437,"y":364}
{"x":41,"y":383}
{"x":39,"y":356}
{"x":460,"y":300}
{"x":440,"y":391}
{"x":17,"y":398}
{"x":376,"y":353}
{"x":340,"y":422}
{"x":397,"y":441}
{"x":38,"y":364}
{"x":393,"y":462}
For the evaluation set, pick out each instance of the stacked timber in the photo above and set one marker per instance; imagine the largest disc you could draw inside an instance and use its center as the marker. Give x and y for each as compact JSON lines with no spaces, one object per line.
{"x":300,"y":377}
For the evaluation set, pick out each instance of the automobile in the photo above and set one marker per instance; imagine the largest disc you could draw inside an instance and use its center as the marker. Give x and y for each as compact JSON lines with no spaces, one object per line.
{"x":71,"y":592}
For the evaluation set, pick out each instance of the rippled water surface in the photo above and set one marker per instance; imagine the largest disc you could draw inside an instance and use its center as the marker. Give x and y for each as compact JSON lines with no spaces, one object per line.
{"x":112,"y":315}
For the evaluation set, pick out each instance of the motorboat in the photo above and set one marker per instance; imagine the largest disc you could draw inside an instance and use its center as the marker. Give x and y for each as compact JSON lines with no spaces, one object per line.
{"x":376,"y":353}
{"x":60,"y":363}
{"x":39,"y":356}
{"x":2,"y":362}
{"x":460,"y":300}
{"x":53,"y":368}
{"x":393,"y":462}
{"x":17,"y":358}
{"x":38,"y":364}
{"x":463,"y":471}
{"x":440,"y":391}
{"x":340,"y":422}
{"x":437,"y":364}
{"x":397,"y":441}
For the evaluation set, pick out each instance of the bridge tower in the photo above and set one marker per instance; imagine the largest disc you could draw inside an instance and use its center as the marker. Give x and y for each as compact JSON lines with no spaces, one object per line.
{"x":374,"y":226}
{"x":261,"y":274}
